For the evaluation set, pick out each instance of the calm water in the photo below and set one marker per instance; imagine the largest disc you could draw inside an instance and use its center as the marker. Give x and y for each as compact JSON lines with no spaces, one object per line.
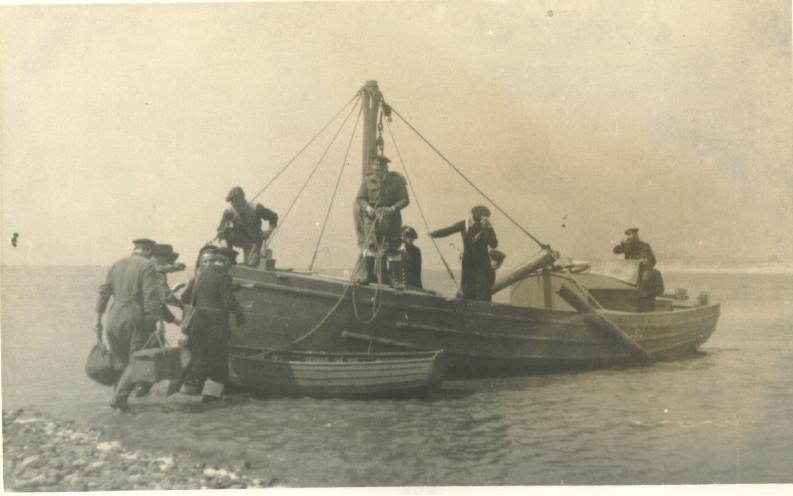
{"x":725,"y":416}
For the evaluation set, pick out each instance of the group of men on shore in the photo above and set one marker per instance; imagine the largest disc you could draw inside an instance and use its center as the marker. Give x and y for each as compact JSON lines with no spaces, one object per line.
{"x":138,"y":286}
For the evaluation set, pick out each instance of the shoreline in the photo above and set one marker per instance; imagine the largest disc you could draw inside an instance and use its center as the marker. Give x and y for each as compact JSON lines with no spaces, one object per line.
{"x":41,"y":454}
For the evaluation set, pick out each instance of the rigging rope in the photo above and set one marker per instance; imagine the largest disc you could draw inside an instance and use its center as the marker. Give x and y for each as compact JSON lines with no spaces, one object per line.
{"x":316,"y":166}
{"x":336,"y":189}
{"x":418,"y":204}
{"x":291,"y":160}
{"x":527,"y":233}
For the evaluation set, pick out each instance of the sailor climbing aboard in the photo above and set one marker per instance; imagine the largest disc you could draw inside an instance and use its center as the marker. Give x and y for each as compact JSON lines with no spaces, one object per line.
{"x":241,"y":225}
{"x":382,"y":195}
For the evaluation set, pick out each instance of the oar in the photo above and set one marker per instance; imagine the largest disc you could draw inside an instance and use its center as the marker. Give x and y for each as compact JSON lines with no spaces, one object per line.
{"x":602,"y":323}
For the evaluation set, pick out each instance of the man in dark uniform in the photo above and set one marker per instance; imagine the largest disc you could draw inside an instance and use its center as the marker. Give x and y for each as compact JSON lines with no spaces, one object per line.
{"x":649,"y":278}
{"x":133,"y":316}
{"x":381,"y":197}
{"x":635,"y":249}
{"x":241,"y":225}
{"x":210,"y":329}
{"x":478,"y":237}
{"x":411,"y":258}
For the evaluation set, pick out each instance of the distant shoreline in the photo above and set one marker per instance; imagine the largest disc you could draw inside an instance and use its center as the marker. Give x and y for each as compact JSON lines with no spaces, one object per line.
{"x":672,"y":269}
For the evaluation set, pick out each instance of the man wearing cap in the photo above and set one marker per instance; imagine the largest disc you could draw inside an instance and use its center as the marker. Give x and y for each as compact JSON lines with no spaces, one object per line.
{"x":411,"y":258}
{"x":241,"y":225}
{"x":635,"y":249}
{"x":478,"y":237}
{"x":383,"y":194}
{"x":133,"y":284}
{"x":210,"y":329}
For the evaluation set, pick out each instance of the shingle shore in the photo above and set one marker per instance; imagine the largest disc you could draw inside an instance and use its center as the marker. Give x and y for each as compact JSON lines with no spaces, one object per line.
{"x":40,"y":454}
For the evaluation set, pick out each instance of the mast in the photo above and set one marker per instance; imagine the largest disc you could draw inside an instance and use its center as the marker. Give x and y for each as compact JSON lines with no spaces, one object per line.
{"x":370,"y":102}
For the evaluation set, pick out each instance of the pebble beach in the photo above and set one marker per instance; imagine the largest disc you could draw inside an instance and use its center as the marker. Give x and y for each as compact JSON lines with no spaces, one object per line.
{"x":41,"y":454}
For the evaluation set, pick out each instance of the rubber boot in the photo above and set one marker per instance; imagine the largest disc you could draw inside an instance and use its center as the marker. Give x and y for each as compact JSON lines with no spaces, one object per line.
{"x":366,"y":273}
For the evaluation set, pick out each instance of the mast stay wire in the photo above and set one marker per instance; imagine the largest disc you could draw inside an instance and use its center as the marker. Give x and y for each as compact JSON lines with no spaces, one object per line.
{"x":418,"y":203}
{"x":310,"y":176}
{"x":527,"y":233}
{"x":355,"y":97}
{"x":336,"y":188}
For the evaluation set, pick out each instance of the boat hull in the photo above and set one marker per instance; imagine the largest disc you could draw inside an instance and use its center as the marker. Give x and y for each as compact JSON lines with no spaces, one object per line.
{"x":314,"y":312}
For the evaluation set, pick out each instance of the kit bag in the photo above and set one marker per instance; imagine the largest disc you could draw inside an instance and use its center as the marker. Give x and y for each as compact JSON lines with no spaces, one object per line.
{"x":99,"y":365}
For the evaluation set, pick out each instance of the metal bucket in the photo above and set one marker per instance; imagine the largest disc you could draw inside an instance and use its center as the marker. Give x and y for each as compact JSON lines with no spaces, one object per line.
{"x":212,"y":388}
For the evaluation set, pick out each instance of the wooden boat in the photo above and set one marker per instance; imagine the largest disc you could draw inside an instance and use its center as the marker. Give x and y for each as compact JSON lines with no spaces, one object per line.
{"x":537,"y":331}
{"x":326,"y":374}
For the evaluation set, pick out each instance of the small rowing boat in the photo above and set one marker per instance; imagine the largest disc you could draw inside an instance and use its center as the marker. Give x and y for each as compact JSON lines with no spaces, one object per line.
{"x":312,"y":373}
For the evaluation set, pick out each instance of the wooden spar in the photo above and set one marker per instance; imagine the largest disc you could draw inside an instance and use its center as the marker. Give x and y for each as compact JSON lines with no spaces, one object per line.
{"x":542,"y":259}
{"x":602,"y":323}
{"x":370,"y":102}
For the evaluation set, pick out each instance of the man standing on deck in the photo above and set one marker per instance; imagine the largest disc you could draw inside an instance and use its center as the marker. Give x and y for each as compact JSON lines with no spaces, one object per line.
{"x":649,"y":279}
{"x":132,"y":282}
{"x":381,"y":197}
{"x":210,"y":329}
{"x":478,"y":237}
{"x":411,"y":258}
{"x":241,"y":225}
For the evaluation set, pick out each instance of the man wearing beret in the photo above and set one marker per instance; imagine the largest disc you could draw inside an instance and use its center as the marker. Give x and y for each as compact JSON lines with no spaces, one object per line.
{"x":478,"y":237}
{"x":383,"y":194}
{"x":241,"y":225}
{"x":133,"y":284}
{"x":649,"y":279}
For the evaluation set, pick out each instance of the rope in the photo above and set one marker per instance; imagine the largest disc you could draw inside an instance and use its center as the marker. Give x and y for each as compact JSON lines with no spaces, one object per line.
{"x":305,"y":183}
{"x":335,"y":189}
{"x":319,"y":324}
{"x":418,"y":204}
{"x":527,"y":233}
{"x":291,"y":161}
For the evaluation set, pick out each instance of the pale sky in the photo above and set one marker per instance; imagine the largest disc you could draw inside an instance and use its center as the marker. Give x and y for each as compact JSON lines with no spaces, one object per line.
{"x":581,"y":118}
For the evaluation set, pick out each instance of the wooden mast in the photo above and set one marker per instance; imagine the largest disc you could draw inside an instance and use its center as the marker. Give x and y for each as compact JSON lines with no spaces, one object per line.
{"x":370,"y":102}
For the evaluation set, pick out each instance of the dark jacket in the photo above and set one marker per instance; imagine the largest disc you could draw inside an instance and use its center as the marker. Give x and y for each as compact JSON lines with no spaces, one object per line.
{"x":411,"y":264}
{"x":246,"y":225}
{"x":214,"y":301}
{"x":475,"y":280}
{"x":638,"y":250}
